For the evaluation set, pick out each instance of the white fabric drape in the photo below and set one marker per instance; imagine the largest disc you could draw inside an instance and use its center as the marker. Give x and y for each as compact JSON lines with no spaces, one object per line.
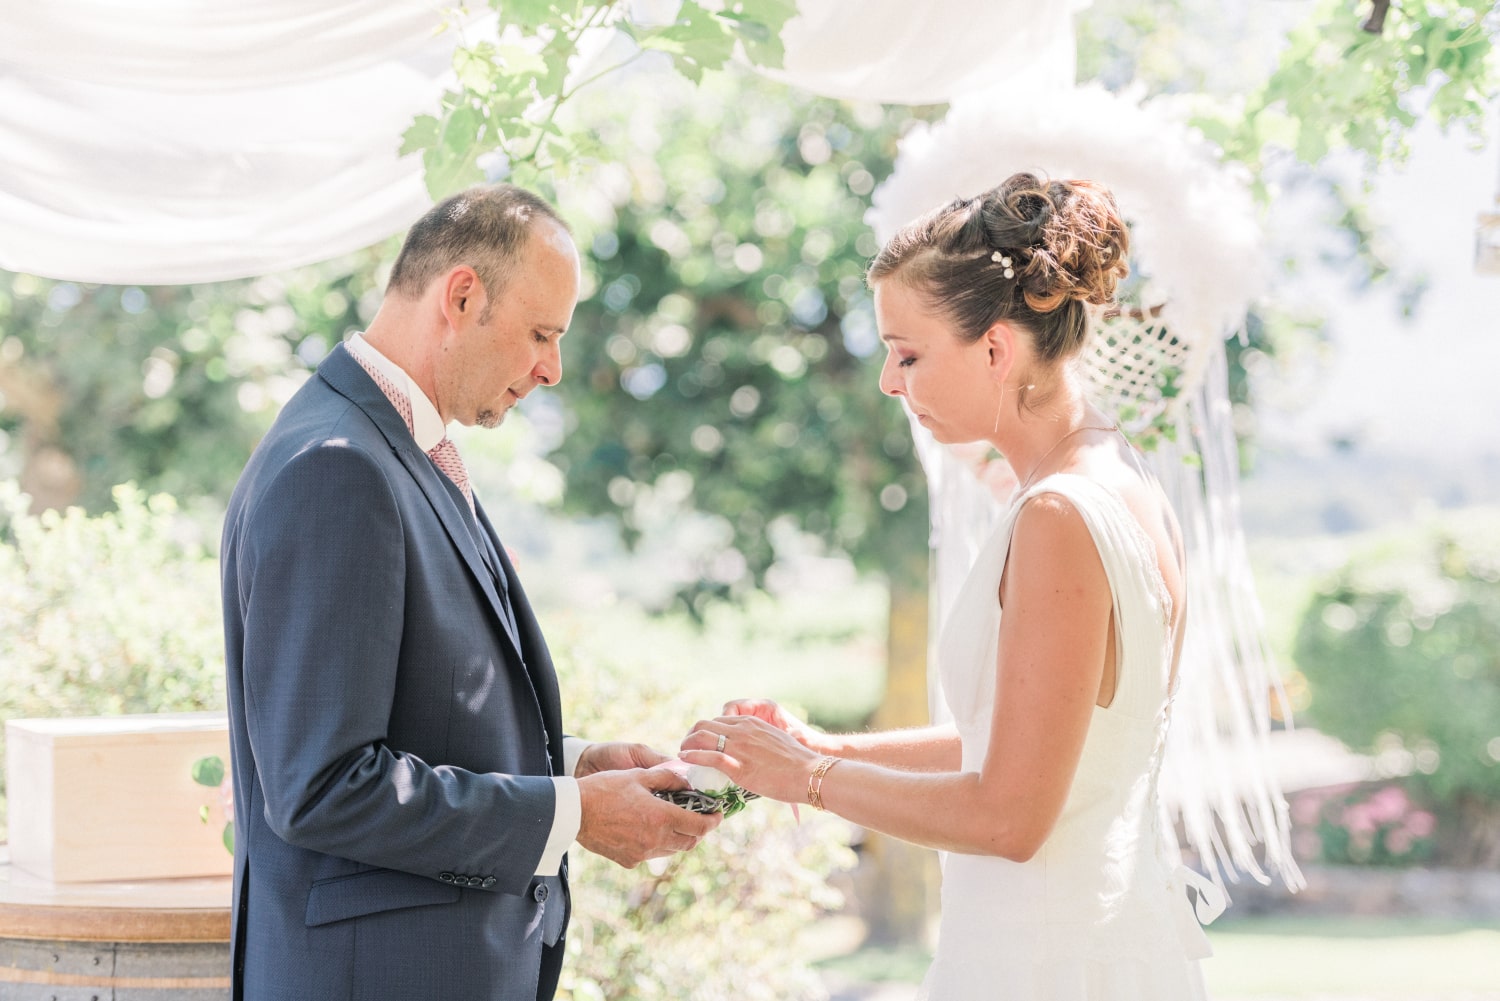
{"x":179,"y":141}
{"x":899,"y":53}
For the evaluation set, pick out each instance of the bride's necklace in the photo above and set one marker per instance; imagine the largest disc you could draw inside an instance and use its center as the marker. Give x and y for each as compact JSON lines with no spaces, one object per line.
{"x":1055,"y":444}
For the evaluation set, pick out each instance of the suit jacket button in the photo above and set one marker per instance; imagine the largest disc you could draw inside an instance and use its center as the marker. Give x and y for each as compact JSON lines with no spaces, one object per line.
{"x":540,"y":893}
{"x":476,"y":881}
{"x":489,"y":881}
{"x":446,"y":877}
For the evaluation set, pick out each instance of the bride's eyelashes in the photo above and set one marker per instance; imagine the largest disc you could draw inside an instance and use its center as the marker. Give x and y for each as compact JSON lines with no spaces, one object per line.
{"x":905,"y":362}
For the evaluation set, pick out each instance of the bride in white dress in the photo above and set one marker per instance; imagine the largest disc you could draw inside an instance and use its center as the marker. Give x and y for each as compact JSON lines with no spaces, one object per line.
{"x":1059,"y":656}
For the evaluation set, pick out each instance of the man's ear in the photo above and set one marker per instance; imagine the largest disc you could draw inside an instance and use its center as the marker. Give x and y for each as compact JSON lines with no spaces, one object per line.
{"x":1000,"y":350}
{"x":460,"y":295}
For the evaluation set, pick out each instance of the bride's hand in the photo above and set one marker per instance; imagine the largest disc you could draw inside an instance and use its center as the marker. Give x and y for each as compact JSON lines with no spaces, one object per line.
{"x":757,"y":756}
{"x":778,"y":717}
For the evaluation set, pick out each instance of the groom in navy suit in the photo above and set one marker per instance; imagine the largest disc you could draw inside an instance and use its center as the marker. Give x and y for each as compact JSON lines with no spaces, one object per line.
{"x":404,"y":792}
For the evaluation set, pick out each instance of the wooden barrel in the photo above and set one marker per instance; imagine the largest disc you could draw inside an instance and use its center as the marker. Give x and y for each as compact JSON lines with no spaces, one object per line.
{"x":152,"y":940}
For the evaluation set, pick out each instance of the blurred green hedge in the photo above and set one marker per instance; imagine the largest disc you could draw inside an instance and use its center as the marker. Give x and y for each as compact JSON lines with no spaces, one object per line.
{"x":715,"y":924}
{"x":1401,"y":649}
{"x":119,"y":613}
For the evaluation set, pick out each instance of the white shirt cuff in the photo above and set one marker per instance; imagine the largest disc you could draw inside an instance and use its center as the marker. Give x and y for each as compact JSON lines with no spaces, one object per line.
{"x":567,"y":816}
{"x":573,"y":748}
{"x":566,"y":819}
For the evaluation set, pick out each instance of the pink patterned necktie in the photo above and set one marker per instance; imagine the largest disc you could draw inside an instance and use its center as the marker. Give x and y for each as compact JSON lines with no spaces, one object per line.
{"x":444,"y":454}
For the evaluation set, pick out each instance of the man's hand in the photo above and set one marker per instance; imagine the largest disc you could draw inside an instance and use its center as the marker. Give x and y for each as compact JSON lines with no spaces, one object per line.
{"x":616,"y":755}
{"x":626,"y":824}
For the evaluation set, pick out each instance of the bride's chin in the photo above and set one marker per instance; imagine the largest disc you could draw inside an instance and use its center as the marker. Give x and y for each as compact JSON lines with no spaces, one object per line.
{"x":947,"y":436}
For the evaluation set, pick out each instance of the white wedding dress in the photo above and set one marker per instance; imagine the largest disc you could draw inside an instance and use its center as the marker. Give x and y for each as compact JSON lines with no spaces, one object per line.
{"x":1102,"y":911}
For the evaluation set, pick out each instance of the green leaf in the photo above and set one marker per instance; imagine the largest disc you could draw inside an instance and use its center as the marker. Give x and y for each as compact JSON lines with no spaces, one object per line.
{"x":760,"y":23}
{"x":555,"y":57}
{"x":461,"y":130}
{"x":695,"y":24}
{"x":1289,"y":82}
{"x":1312,"y":143}
{"x":476,"y":67}
{"x":448,"y":172}
{"x":422,"y":133}
{"x":505,"y":108}
{"x":209,"y":771}
{"x":691,"y":70}
{"x":528,"y":15}
{"x":661,"y":43}
{"x":228,"y":837}
{"x":1215,"y":130}
{"x":772,"y":13}
{"x":1276,"y":128}
{"x":203,"y":814}
{"x":520,"y":61}
{"x":697,"y":41}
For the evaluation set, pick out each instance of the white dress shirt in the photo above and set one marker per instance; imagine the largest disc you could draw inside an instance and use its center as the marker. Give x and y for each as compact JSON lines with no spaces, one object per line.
{"x":428,"y":429}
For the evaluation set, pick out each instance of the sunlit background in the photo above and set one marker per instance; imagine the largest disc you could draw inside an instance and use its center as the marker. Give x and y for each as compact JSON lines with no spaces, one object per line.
{"x":719,"y":486}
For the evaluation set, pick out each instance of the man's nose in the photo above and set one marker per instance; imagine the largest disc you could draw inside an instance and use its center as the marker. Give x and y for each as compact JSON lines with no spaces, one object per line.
{"x":549,"y":368}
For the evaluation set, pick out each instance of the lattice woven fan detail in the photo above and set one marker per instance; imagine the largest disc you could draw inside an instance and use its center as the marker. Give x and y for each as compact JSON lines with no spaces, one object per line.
{"x":1136,"y":367}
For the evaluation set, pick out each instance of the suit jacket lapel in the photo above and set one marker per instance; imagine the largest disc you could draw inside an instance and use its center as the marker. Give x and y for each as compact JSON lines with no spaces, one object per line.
{"x":450,"y":507}
{"x":537,"y":659}
{"x":346,"y":376}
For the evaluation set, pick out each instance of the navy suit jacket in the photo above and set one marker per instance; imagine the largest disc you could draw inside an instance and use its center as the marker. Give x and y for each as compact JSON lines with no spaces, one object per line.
{"x":392,"y":728}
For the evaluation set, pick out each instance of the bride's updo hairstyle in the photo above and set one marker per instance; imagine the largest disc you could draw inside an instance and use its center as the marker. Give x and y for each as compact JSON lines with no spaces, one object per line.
{"x":1030,"y":252}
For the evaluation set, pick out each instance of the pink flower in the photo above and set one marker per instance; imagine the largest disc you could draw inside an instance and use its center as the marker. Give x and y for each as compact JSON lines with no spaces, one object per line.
{"x":1305,"y":809}
{"x":1388,"y":804}
{"x":1421,"y":824}
{"x":1360,"y":819}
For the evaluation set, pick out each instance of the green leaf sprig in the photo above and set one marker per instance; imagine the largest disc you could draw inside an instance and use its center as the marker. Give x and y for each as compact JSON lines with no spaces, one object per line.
{"x":728,"y":801}
{"x":509,"y":92}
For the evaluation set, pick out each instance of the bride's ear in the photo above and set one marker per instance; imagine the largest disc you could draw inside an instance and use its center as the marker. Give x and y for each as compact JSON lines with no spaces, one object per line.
{"x":1000,"y":348}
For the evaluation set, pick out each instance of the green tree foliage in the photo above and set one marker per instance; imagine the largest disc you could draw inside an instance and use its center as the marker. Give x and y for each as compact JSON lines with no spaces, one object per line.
{"x":1402,"y":651}
{"x":510,"y":92}
{"x":119,"y":613}
{"x":729,"y":352}
{"x":110,"y":614}
{"x":1339,"y":88}
{"x":168,"y":387}
{"x":1352,"y":83}
{"x":1345,"y":83}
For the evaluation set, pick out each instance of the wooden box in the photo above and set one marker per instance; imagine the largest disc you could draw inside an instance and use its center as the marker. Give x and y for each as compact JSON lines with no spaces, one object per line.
{"x":113,"y":797}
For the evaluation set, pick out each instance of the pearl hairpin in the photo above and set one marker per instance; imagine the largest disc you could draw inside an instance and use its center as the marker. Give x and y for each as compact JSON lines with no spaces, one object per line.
{"x":1005,"y":262}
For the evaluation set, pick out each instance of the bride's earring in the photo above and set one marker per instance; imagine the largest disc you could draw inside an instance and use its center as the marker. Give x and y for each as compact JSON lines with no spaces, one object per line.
{"x":1000,"y":406}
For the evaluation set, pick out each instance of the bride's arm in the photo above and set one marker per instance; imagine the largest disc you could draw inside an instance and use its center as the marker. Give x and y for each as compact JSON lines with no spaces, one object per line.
{"x":920,"y":749}
{"x":1053,"y":639}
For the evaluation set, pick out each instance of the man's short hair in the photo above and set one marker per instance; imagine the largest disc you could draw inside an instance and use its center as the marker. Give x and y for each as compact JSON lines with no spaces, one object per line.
{"x":484,"y":227}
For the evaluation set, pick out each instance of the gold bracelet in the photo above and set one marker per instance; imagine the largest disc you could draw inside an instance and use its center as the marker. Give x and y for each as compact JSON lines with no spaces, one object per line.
{"x":815,"y":781}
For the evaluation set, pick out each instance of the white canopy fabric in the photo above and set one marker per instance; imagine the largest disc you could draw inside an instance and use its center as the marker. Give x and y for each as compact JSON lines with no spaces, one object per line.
{"x":884,"y":50}
{"x":182,"y":141}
